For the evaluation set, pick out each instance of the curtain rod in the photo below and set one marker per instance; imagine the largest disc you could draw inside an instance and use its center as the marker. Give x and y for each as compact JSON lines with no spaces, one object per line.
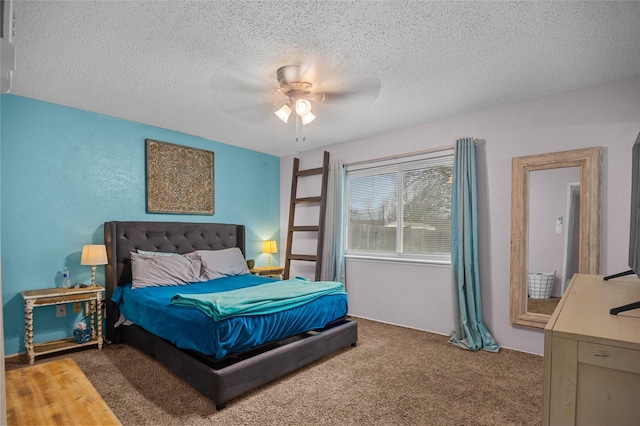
{"x":408,"y":154}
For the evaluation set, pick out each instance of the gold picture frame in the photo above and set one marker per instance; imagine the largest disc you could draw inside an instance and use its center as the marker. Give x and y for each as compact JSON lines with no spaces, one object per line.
{"x":180,"y":179}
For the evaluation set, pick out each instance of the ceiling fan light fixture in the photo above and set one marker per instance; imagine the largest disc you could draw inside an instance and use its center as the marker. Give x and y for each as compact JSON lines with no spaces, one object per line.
{"x":308,"y":118}
{"x":303,"y":107}
{"x":283,"y":113}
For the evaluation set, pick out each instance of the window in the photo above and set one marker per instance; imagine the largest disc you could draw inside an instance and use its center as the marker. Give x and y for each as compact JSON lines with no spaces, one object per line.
{"x":401,"y":210}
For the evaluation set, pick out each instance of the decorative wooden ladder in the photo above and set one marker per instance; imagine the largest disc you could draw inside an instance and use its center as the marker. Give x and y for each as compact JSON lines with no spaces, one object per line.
{"x":295,"y":201}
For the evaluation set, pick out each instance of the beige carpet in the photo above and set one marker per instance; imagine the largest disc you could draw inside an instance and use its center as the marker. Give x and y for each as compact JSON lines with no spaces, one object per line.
{"x":395,"y":376}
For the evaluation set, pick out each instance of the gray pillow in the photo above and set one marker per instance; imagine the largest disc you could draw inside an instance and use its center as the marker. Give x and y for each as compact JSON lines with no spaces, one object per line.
{"x":222,"y":263}
{"x":153,"y":270}
{"x":198,"y":264}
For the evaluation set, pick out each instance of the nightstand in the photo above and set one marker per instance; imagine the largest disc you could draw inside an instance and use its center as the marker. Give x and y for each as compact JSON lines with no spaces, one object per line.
{"x":268,"y":271}
{"x":92,"y":296}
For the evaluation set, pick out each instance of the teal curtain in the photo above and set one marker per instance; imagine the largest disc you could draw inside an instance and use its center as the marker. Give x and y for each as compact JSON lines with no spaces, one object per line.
{"x":470,"y":331}
{"x":332,"y":268}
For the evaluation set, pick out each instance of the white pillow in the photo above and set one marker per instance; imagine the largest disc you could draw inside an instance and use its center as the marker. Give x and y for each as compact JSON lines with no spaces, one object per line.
{"x":154,"y":270}
{"x":222,"y":263}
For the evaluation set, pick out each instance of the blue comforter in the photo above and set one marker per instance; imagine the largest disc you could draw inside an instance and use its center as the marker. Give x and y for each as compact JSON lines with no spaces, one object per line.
{"x":190,"y":328}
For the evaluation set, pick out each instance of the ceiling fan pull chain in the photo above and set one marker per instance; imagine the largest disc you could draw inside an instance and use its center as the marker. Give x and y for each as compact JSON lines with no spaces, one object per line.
{"x":304,"y":136}
{"x":297,"y":127}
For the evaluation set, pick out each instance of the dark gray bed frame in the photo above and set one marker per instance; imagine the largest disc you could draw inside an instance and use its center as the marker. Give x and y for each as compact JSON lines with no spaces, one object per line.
{"x":218,"y":379}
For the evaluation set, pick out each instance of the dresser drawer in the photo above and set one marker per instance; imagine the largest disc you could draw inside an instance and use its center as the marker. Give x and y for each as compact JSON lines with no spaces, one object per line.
{"x":609,"y":357}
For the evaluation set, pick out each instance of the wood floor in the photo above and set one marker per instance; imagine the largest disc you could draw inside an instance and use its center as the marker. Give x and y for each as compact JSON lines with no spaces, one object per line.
{"x":54,"y":393}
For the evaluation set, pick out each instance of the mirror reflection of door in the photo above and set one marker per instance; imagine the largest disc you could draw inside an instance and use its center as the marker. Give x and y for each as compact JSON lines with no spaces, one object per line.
{"x":553,"y":230}
{"x":571,"y":255}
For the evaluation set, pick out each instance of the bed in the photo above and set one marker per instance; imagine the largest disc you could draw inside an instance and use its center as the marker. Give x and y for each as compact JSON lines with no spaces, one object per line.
{"x":219,"y":375}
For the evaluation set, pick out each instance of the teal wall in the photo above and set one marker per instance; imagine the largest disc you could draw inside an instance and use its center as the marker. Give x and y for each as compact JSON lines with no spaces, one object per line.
{"x":64,"y":172}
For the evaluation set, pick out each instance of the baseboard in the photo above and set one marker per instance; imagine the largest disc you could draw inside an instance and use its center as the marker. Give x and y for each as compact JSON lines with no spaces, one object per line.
{"x":400,"y":325}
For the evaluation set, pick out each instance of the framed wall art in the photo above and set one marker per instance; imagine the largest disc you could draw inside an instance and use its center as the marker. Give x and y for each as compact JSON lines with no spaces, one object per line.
{"x":180,"y":179}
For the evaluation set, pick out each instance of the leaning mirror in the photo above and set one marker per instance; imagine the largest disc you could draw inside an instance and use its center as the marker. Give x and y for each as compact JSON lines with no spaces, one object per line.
{"x":555,"y":228}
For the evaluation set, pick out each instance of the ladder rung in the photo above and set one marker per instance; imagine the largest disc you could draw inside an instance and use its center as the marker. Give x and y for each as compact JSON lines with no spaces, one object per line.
{"x":310,"y":172}
{"x":308,"y":257}
{"x":307,"y":200}
{"x":308,"y":228}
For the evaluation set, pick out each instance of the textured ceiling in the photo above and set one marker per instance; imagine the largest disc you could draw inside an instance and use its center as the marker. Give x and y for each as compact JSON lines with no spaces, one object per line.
{"x":207,"y":68}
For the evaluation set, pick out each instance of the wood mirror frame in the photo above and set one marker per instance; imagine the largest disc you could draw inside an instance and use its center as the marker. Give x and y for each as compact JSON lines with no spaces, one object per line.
{"x":590,"y":162}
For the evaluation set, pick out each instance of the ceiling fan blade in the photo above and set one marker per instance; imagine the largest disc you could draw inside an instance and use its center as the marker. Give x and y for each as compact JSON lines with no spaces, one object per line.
{"x":252,"y":114}
{"x":356,"y":97}
{"x":244,"y":81}
{"x":315,"y":97}
{"x":361,"y":90}
{"x":276,"y":97}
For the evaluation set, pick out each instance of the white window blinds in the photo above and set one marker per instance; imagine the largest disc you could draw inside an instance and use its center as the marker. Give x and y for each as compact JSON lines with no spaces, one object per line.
{"x":401,"y":209}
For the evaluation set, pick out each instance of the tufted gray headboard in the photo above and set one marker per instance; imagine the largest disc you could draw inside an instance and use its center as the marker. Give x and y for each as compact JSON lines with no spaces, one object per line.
{"x":121,"y":238}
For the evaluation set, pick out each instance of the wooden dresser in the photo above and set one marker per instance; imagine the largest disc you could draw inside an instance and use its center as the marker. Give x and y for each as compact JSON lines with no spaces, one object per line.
{"x":592,"y":358}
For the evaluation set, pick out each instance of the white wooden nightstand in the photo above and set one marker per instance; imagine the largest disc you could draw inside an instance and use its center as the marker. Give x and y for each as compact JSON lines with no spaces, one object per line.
{"x":92,"y":296}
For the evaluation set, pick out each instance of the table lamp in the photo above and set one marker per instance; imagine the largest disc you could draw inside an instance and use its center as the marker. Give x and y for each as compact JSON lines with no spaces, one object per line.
{"x":94,"y":255}
{"x":270,"y":247}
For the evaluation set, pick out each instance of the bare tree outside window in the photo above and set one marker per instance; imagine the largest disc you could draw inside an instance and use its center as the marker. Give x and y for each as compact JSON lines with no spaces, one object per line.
{"x":401,"y":210}
{"x":427,"y":210}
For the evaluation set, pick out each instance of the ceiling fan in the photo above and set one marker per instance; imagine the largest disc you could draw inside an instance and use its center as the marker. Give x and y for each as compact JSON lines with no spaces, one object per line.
{"x":298,"y":94}
{"x":298,"y":91}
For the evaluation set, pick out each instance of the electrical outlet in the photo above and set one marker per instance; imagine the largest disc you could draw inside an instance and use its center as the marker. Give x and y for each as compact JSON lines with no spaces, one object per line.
{"x":77,"y":307}
{"x":61,"y":310}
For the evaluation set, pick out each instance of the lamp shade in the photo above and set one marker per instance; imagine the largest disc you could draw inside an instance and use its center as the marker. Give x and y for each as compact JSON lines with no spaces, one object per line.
{"x":94,"y":255}
{"x":283,"y":113}
{"x":308,"y":118}
{"x":270,"y":247}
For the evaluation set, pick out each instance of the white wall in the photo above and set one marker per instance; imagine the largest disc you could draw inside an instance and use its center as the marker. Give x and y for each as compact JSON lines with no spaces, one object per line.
{"x":420,"y":296}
